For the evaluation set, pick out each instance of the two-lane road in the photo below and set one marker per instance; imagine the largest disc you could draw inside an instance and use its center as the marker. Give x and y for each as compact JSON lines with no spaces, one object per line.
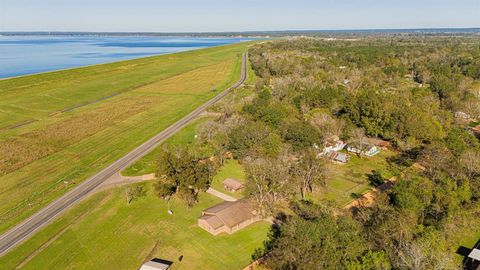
{"x":28,"y":227}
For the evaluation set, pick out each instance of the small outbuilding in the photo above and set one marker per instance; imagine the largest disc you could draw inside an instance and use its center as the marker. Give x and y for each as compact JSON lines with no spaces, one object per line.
{"x":338,"y":157}
{"x":227,"y":217}
{"x":473,"y":258}
{"x":156,"y":264}
{"x":232,"y":185}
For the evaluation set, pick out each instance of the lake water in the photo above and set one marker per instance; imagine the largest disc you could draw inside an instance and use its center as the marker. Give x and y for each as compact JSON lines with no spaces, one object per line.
{"x":21,"y":55}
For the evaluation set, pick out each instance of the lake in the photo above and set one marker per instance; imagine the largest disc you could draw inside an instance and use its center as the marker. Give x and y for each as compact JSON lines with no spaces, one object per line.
{"x":21,"y":55}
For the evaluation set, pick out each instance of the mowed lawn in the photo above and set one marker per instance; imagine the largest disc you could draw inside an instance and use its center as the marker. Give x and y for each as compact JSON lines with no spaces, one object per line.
{"x":345,"y":180}
{"x":104,"y":232}
{"x":43,"y":159}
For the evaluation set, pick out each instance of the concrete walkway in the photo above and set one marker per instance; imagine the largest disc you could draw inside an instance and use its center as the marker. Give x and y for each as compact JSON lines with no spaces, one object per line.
{"x":120,"y":180}
{"x":220,"y":195}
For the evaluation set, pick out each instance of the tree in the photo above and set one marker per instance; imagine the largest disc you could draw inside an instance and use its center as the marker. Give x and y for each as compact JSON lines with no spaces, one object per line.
{"x":268,"y":181}
{"x":413,"y":194}
{"x":178,"y":169}
{"x":245,"y":138}
{"x":164,"y":189}
{"x":470,"y":161}
{"x":324,"y":242}
{"x":372,"y":260}
{"x":435,"y":158}
{"x":309,"y":171}
{"x":134,"y":192}
{"x":327,"y":125}
{"x":301,"y":135}
{"x":459,"y":140}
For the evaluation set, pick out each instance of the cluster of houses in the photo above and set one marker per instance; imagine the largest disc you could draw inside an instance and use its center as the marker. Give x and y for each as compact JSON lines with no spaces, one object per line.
{"x":333,"y":146}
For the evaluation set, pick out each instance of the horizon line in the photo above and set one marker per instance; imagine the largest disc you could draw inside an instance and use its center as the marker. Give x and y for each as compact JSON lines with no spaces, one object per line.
{"x":248,"y":31}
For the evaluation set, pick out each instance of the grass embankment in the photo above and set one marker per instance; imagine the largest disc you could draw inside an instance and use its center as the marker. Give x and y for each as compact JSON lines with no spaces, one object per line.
{"x":42,"y":160}
{"x":148,"y":163}
{"x":346,"y":180}
{"x":104,"y":232}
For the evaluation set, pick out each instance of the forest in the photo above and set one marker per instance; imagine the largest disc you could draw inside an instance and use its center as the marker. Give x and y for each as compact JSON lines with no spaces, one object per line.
{"x":419,"y":94}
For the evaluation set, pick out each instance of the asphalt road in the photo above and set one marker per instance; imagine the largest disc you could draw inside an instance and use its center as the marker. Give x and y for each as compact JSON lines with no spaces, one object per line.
{"x":28,"y":227}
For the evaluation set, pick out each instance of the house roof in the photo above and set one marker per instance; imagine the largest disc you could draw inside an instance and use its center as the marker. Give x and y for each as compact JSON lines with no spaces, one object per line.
{"x":156,"y":264}
{"x":332,"y":141}
{"x":378,"y":142}
{"x":213,"y":221}
{"x":475,"y":254}
{"x":366,"y":146}
{"x":232,"y":183}
{"x":229,"y":213}
{"x":338,"y":156}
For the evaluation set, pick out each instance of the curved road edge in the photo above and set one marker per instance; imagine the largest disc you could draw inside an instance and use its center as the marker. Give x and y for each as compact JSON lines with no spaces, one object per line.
{"x":43,"y":217}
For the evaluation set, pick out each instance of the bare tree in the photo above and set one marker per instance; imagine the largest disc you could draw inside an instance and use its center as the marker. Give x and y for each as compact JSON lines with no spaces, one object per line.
{"x":309,"y":171}
{"x":267,"y":182}
{"x":470,"y":160}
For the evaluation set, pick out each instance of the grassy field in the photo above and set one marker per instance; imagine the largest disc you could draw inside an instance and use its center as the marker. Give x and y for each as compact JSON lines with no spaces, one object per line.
{"x":41,"y":160}
{"x":104,"y":232}
{"x":344,"y":180}
{"x":147,"y":164}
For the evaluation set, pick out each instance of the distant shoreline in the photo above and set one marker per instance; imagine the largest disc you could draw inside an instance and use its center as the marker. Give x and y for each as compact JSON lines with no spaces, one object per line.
{"x":417,"y":31}
{"x":113,"y":61}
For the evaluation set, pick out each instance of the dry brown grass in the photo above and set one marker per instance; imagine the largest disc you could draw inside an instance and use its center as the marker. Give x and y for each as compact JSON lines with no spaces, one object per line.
{"x":19,"y":151}
{"x":193,"y":82}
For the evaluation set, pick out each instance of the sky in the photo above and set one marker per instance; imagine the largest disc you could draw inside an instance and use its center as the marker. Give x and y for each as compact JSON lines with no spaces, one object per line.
{"x":238,"y":15}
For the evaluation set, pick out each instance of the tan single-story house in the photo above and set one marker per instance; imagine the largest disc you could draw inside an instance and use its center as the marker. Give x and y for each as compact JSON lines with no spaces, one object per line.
{"x":227,"y":217}
{"x":232,"y":185}
{"x":156,"y":264}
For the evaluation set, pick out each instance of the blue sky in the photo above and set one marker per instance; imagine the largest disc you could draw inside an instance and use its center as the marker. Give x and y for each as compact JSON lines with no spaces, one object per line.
{"x":238,"y":15}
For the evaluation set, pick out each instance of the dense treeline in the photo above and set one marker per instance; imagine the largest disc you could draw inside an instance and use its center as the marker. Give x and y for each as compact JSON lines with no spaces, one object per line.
{"x":403,"y":90}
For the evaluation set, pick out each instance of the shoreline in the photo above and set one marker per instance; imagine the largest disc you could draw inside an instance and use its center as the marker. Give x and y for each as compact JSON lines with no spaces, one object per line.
{"x":123,"y":60}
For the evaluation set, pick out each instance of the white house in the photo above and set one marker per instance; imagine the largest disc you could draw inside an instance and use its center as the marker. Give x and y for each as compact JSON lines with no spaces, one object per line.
{"x":462,"y":115}
{"x":332,"y":144}
{"x":368,"y":150}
